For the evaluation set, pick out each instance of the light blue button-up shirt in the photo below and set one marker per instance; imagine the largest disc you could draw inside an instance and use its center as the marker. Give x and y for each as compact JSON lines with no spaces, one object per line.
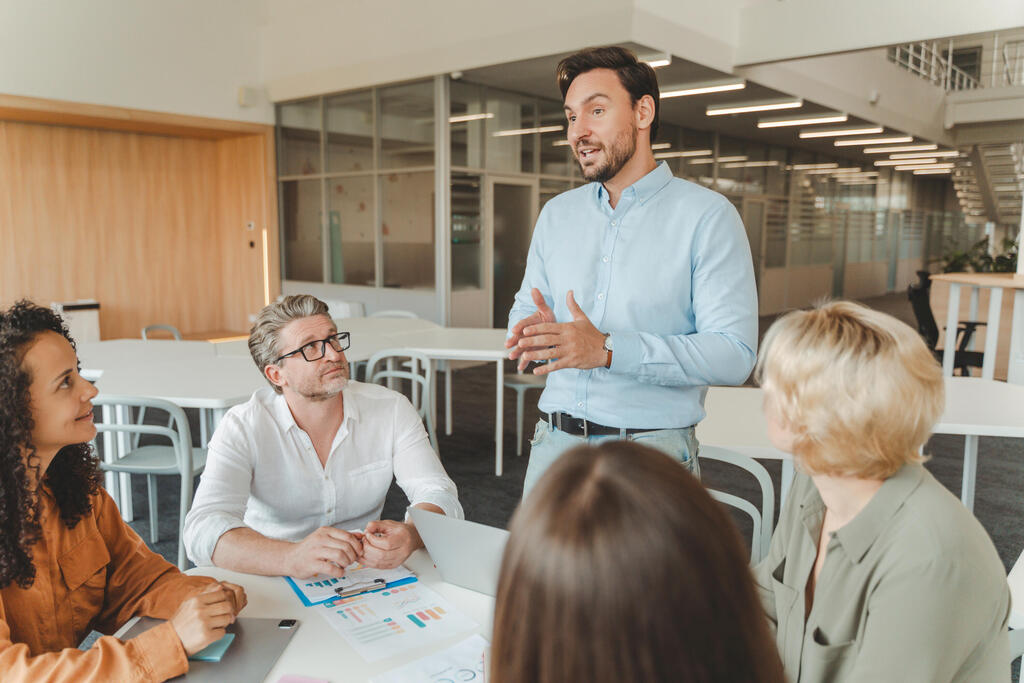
{"x":668,"y":273}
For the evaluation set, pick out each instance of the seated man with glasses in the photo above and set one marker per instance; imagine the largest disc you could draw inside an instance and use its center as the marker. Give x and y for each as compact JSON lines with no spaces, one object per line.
{"x":295,"y":473}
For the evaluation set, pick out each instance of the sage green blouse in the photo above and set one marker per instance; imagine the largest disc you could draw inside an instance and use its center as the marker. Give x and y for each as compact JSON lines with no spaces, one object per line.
{"x":912,"y":589}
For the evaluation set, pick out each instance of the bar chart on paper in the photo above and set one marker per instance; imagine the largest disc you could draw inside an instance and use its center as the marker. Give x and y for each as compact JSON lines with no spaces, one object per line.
{"x":382,"y":624}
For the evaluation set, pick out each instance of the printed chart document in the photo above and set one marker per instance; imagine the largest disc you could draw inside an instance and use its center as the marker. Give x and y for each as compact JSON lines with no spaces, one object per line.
{"x":383,"y":624}
{"x":321,"y":587}
{"x":462,"y":662}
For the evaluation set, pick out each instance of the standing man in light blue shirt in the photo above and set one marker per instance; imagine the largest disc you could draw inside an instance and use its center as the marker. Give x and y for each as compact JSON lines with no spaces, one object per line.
{"x":639,"y":287}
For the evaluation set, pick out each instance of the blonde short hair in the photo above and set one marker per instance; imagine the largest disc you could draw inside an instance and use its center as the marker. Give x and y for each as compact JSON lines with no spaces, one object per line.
{"x":857,"y":388}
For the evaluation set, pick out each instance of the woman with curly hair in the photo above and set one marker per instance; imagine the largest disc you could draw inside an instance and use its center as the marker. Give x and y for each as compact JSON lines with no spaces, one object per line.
{"x":68,"y":562}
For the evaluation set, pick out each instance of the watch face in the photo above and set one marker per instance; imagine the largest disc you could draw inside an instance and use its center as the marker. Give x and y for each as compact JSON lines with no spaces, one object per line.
{"x":608,"y":342}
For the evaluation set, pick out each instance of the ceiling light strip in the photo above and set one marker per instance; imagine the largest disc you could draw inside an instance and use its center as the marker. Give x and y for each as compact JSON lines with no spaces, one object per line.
{"x":747,"y":107}
{"x":809,"y":119}
{"x":844,"y":130}
{"x":873,"y":141}
{"x":702,"y":88}
{"x":528,"y":131}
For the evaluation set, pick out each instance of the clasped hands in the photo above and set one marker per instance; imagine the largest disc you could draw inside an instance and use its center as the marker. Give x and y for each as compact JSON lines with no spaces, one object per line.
{"x":384,"y":545}
{"x":577,"y":344}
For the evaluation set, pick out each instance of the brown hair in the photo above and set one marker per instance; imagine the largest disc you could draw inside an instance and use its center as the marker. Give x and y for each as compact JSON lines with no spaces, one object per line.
{"x":637,"y":77}
{"x":857,"y":388}
{"x":621,"y":567}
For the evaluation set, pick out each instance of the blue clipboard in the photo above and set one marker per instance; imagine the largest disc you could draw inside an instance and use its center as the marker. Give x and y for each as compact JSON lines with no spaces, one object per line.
{"x":364,"y":588}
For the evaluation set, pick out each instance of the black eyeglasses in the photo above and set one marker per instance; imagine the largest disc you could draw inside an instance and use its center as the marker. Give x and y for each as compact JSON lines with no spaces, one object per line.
{"x":315,"y":350}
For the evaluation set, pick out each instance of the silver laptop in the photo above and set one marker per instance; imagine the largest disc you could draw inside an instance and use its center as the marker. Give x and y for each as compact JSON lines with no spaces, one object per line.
{"x":257,"y":645}
{"x":466,"y":553}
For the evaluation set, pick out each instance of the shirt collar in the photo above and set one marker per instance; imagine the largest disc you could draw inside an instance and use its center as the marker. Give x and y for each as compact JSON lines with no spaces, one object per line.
{"x":286,"y":421}
{"x":643,"y":189}
{"x":860,"y":533}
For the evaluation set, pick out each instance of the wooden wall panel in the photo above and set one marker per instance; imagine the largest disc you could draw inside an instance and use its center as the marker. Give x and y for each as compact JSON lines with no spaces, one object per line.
{"x":146,"y":224}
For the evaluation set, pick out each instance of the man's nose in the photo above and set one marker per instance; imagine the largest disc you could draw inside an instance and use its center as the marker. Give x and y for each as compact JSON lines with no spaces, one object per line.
{"x":332,"y":355}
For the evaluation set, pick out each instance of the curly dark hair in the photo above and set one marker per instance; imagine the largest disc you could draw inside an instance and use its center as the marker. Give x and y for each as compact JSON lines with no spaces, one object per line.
{"x":74,"y":474}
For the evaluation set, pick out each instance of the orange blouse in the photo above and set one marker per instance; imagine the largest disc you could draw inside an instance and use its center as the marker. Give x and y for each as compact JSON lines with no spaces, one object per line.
{"x":95,"y":576}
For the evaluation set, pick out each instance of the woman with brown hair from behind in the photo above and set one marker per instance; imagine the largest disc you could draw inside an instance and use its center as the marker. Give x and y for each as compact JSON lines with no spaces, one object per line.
{"x":621,"y":567}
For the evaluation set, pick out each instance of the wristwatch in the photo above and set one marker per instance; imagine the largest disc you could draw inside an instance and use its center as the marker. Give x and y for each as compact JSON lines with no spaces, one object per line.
{"x":608,"y":348}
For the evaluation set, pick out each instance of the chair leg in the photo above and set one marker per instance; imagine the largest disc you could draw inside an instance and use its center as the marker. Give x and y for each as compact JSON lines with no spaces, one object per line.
{"x":520,"y":401}
{"x":448,"y":398}
{"x":183,"y":506}
{"x":154,"y":527}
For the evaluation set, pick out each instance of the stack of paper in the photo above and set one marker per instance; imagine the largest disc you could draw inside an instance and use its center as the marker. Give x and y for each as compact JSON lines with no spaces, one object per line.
{"x":462,"y":662}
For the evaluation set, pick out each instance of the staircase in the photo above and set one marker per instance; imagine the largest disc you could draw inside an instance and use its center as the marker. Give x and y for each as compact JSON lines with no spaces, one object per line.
{"x":989,"y":182}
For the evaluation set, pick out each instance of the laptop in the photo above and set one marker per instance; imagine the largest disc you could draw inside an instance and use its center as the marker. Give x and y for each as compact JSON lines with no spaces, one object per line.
{"x":256,"y":648}
{"x":466,"y":553}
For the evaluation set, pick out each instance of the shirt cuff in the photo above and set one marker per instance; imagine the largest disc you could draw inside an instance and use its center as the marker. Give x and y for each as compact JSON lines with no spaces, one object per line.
{"x":200,"y":546}
{"x":160,"y":652}
{"x":446,"y":501}
{"x":627,"y":352}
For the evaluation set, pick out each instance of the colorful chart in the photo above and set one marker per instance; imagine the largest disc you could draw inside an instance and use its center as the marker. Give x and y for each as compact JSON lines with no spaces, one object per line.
{"x":385,"y":623}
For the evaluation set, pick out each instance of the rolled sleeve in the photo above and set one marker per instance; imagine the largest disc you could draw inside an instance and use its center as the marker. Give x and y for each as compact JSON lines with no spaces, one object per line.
{"x":418,"y":470}
{"x":220,"y":501}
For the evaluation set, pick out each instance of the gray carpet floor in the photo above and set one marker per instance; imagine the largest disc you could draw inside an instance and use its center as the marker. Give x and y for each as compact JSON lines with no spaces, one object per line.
{"x":468,"y":455}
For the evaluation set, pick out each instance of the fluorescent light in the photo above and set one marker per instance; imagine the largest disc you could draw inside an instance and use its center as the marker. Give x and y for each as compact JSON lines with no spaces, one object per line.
{"x":780,"y":121}
{"x":873,"y":141}
{"x":899,"y":162}
{"x":658,"y":63}
{"x":528,"y":131}
{"x":462,"y":118}
{"x":750,"y":164}
{"x":918,"y":155}
{"x":761,"y":105}
{"x":685,"y":153}
{"x":844,"y":130}
{"x":860,"y":182}
{"x":656,"y":60}
{"x":560,"y":143}
{"x":899,"y":148}
{"x":932,"y":171}
{"x":661,"y":145}
{"x":720,"y":160}
{"x":830,"y":171}
{"x":918,"y":165}
{"x":810,"y":167}
{"x":997,"y":188}
{"x":702,"y":88}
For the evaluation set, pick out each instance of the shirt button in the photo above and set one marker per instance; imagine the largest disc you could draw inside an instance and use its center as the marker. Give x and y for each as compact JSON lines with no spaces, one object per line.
{"x":580,"y":404}
{"x":600,"y":296}
{"x":605,"y":259}
{"x":614,"y":223}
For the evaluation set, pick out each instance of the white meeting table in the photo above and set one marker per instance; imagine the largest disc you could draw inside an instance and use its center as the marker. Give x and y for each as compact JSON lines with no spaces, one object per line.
{"x":317,"y":650}
{"x":974,"y":407}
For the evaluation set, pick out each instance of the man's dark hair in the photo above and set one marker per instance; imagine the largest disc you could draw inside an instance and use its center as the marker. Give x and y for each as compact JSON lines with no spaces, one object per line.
{"x":637,"y":77}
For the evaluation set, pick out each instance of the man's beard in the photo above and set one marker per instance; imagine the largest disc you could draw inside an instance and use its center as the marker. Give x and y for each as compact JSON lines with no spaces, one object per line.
{"x":319,"y":392}
{"x":617,"y":155}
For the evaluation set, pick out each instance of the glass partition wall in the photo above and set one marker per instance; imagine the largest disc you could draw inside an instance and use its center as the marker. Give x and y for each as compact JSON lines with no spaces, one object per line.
{"x":384,"y":204}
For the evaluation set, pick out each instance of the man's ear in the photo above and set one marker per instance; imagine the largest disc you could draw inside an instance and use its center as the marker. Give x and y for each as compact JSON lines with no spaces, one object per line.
{"x":644,"y":112}
{"x":273,"y":373}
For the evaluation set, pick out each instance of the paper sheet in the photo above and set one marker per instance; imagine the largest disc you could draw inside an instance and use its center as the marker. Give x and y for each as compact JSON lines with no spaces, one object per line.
{"x":383,"y":624}
{"x":321,"y":587}
{"x":461,"y":662}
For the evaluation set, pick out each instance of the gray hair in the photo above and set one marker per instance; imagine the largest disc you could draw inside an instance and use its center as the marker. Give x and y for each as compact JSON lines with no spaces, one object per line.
{"x":266,"y":331}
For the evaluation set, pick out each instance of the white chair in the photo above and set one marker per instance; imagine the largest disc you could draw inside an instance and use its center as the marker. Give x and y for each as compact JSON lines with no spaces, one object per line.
{"x":442,"y":366}
{"x":420,"y":380}
{"x":338,"y":309}
{"x":521,"y":383}
{"x":170,"y":329}
{"x":178,"y":458}
{"x":763,"y":519}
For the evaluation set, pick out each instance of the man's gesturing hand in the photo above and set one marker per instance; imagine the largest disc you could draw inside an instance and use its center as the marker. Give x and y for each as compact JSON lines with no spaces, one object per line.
{"x":575,"y":345}
{"x":544,"y":314}
{"x":325,"y":551}
{"x":387,"y":544}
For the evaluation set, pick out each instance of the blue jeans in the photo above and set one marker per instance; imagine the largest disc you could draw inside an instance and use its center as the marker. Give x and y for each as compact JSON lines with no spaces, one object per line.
{"x":549,"y":443}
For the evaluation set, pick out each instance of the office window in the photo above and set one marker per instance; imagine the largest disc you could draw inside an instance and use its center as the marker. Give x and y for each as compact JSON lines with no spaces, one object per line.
{"x":349,"y":124}
{"x":298,"y":135}
{"x":407,"y":213}
{"x":467,"y":231}
{"x":407,"y":125}
{"x":466,"y":124}
{"x":301,"y":224}
{"x":352,"y":229}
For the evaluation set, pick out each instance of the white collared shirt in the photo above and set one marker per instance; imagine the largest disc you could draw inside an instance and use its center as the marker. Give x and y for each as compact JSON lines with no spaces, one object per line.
{"x":262,"y":471}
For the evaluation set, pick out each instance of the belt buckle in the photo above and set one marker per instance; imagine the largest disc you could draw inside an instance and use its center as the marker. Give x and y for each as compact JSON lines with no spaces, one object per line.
{"x":585,"y":431}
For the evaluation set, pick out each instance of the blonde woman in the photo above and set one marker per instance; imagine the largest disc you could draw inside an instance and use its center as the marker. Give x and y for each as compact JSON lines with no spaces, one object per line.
{"x":876,"y":571}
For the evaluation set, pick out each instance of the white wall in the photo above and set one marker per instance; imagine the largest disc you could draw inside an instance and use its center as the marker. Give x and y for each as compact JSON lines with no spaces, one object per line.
{"x":181,"y":56}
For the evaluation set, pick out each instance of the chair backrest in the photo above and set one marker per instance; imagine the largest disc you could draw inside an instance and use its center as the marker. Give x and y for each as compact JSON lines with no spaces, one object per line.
{"x":416,"y":372}
{"x":393,"y":314}
{"x":763,"y":518}
{"x":170,"y":329}
{"x":920,"y":301}
{"x":339,"y":309}
{"x":180,"y":435}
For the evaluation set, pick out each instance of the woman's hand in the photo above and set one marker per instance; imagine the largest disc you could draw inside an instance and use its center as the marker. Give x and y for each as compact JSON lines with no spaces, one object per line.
{"x":202,"y":619}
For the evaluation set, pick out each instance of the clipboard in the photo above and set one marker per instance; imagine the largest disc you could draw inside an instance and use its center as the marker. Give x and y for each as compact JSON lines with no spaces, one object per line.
{"x":325,"y":590}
